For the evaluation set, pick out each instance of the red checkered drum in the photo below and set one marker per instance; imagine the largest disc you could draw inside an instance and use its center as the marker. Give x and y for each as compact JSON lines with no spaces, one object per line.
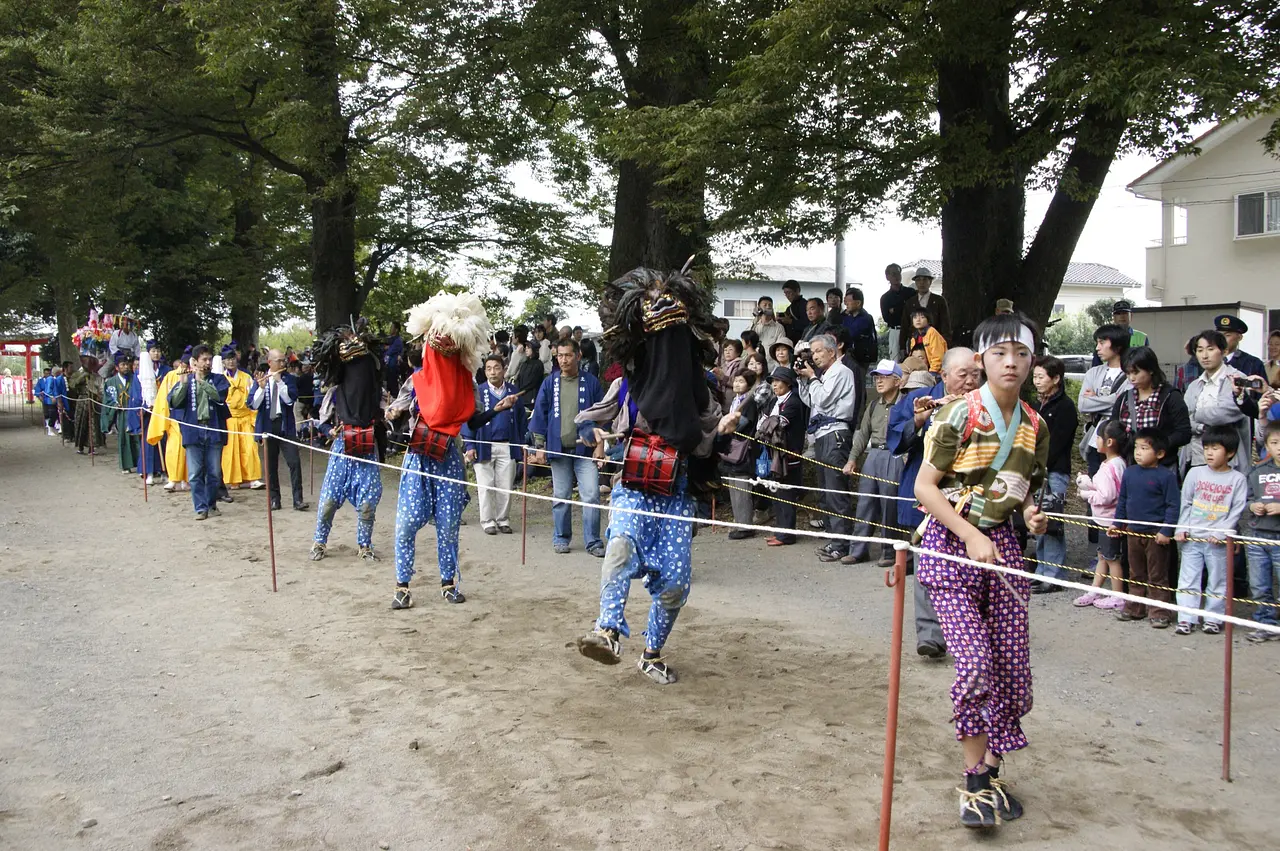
{"x":358,"y":441}
{"x":650,"y":464}
{"x":429,"y":442}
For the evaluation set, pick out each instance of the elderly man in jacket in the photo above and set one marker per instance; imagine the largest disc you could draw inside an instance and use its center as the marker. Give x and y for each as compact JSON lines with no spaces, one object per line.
{"x":827,"y":387}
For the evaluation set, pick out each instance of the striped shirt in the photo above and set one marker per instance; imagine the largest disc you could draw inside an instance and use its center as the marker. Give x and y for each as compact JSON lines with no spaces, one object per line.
{"x":993,"y":496}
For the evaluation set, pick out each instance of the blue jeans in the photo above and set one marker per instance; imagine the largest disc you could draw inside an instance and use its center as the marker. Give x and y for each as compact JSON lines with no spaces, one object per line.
{"x":1198,"y":558}
{"x":1053,"y":548}
{"x":204,"y":471}
{"x":563,"y":473}
{"x":1264,"y":566}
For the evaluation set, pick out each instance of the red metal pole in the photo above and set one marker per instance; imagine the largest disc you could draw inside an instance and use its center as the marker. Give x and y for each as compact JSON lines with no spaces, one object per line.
{"x":1227,"y":665}
{"x":524,"y":509}
{"x":92,"y":458}
{"x":27,"y":351}
{"x":311,"y":443}
{"x":714,"y":529}
{"x":898,"y":582}
{"x":271,"y":532}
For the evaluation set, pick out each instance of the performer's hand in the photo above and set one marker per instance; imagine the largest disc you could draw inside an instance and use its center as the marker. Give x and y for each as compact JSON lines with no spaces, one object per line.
{"x":982,"y":549}
{"x":1037,"y":520}
{"x":470,"y":456}
{"x":729,"y":423}
{"x":262,"y":381}
{"x":507,"y":402}
{"x":1162,"y":539}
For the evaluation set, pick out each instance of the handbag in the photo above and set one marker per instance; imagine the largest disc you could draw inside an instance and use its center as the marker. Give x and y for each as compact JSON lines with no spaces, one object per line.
{"x":358,"y":441}
{"x":428,"y":442}
{"x":650,"y":464}
{"x":736,"y":453}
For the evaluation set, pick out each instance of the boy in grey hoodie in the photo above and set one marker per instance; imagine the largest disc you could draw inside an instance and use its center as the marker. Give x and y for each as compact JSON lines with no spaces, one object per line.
{"x":1213,"y":498}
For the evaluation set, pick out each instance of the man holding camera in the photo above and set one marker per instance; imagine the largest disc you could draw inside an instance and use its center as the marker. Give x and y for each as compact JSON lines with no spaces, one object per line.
{"x":827,"y":387}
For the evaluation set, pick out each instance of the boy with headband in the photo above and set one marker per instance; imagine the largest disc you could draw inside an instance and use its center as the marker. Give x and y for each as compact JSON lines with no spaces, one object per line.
{"x":984,"y":459}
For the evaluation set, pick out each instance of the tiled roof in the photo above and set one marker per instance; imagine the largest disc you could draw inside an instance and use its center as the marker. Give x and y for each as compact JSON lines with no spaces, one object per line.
{"x":1091,"y":274}
{"x":803,"y":274}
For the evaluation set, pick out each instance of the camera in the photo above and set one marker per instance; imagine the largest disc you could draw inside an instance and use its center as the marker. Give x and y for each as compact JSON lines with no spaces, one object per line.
{"x":1243,"y":383}
{"x":804,"y":359}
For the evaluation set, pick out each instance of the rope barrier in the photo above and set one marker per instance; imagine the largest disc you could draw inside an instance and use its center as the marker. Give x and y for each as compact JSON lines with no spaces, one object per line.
{"x":773,"y":530}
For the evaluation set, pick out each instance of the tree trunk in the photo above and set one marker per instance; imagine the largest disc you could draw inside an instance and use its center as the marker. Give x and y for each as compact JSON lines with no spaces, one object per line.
{"x":659,"y":225}
{"x":644,"y":231}
{"x":333,"y":197}
{"x":1045,"y":266}
{"x":64,"y":303}
{"x":245,"y":295}
{"x":333,"y":258}
{"x":982,"y":217}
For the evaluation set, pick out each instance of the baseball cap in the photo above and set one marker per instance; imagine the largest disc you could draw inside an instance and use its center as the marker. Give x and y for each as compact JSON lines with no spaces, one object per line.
{"x":1004,"y":305}
{"x":888,"y":367}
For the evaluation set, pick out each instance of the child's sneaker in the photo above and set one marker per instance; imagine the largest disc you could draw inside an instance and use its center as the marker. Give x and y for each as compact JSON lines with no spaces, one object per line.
{"x":1104,"y":602}
{"x":1183,"y":628}
{"x":1087,"y":599}
{"x":1258,"y":636}
{"x":1211,"y":628}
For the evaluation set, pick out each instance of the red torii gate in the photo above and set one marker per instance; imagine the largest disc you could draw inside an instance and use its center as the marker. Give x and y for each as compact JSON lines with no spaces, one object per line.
{"x":27,"y":344}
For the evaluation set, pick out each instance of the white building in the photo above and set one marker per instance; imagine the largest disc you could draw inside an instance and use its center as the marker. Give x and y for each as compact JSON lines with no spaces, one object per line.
{"x":738,"y":296}
{"x":1220,"y":222}
{"x":1083,"y":284}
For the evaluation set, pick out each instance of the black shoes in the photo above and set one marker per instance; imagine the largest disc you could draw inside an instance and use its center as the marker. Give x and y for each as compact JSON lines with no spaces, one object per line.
{"x":301,"y":506}
{"x":1007,"y":806}
{"x":1038,"y":587}
{"x":978,"y":802}
{"x":931,"y":650}
{"x":741,"y":534}
{"x":275,"y":505}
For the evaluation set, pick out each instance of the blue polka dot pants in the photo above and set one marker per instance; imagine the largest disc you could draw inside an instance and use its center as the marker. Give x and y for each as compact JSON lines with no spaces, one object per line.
{"x":656,"y":550}
{"x":348,"y":479}
{"x":422,"y":498}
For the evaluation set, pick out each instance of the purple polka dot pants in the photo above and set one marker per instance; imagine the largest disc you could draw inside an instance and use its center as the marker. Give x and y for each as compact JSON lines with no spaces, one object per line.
{"x":987,"y":632}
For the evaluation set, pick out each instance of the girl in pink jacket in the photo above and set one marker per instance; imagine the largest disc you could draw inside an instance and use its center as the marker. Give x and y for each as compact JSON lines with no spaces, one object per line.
{"x":1102,"y":492}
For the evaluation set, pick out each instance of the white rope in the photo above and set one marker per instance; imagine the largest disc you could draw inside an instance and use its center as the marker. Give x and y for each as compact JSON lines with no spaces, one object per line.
{"x":1067,"y":583}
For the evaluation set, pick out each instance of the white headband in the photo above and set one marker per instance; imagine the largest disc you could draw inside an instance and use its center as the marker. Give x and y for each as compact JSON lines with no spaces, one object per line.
{"x":1024,"y":336}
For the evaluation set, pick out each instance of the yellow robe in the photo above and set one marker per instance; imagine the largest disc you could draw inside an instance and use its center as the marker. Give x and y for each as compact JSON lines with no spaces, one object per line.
{"x":175,"y":456}
{"x":240,"y":461}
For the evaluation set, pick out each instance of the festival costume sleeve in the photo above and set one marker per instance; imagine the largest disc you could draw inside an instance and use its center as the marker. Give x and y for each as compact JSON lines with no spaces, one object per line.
{"x":538,"y":423}
{"x":177,"y":396}
{"x":942,"y":440}
{"x":160,"y":412}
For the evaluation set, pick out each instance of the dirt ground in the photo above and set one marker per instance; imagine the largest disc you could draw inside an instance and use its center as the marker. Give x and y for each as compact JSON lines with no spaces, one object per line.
{"x":157,"y":691}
